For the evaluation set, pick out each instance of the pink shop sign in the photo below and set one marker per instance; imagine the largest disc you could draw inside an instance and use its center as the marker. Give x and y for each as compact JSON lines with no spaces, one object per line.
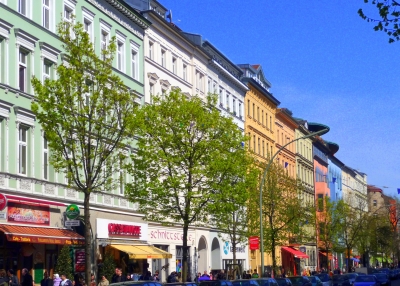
{"x":168,"y":235}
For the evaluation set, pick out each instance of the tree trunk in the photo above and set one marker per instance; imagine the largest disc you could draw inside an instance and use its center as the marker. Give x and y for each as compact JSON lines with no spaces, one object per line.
{"x":88,"y":238}
{"x":273,"y":254}
{"x":348,"y":260}
{"x":185,"y":251}
{"x":234,"y":257}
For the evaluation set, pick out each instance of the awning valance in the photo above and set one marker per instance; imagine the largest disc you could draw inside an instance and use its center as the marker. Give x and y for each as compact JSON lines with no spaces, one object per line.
{"x":45,"y":235}
{"x":295,"y":252}
{"x":142,"y":251}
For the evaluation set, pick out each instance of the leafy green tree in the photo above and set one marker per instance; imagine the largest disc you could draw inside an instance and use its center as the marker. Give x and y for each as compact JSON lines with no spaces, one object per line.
{"x":387,"y":18}
{"x":284,"y":213}
{"x":329,"y":221}
{"x":107,"y":268}
{"x":64,"y":263}
{"x":84,"y":113}
{"x":187,"y":155}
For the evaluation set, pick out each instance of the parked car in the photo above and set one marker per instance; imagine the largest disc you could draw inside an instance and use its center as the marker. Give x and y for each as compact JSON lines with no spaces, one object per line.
{"x":352,"y":277}
{"x":266,"y":281}
{"x":245,"y":282}
{"x":383,"y":279}
{"x":340,"y":280}
{"x":392,"y":274}
{"x":366,"y":280}
{"x":137,"y":283}
{"x":283,"y":281}
{"x":300,"y":281}
{"x":325,"y":279}
{"x":216,"y":283}
{"x":181,"y":284}
{"x":315,"y":281}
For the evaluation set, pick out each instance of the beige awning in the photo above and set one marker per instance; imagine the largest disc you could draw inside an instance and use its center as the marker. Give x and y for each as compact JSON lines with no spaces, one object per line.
{"x":142,"y":251}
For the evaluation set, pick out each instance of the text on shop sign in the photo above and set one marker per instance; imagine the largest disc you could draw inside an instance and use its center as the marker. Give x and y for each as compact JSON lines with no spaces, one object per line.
{"x":124,"y":229}
{"x":167,"y":235}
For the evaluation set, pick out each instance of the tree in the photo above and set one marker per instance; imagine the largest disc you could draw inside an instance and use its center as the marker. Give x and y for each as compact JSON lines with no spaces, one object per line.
{"x":354,"y":218}
{"x":388,"y":18}
{"x":187,"y":155}
{"x":284,"y":213}
{"x":329,"y":220}
{"x":107,"y":268}
{"x":84,"y":114}
{"x":64,"y":263}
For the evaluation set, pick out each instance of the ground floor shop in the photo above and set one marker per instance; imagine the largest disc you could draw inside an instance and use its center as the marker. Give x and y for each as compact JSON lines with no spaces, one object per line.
{"x":293,"y":260}
{"x":31,"y":235}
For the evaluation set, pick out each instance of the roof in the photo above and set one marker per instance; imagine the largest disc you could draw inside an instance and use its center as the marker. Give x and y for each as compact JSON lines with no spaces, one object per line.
{"x":259,"y":87}
{"x":372,"y":188}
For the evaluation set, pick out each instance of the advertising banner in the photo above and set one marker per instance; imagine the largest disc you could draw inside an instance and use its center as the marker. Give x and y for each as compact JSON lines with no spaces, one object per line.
{"x":28,"y":214}
{"x":254,"y":242}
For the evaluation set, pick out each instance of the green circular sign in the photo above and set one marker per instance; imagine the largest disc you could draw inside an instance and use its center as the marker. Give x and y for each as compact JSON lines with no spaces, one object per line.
{"x":72,"y":211}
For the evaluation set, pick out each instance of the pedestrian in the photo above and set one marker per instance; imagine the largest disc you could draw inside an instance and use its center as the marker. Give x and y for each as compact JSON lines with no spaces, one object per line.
{"x":13,"y":280}
{"x":255,"y":274}
{"x":103,"y":281}
{"x":221,"y":275}
{"x":46,"y":281}
{"x":204,"y":277}
{"x":92,"y":280}
{"x":196,"y":279}
{"x":172,"y":278}
{"x":56,"y":280}
{"x":3,"y":278}
{"x":26,"y":279}
{"x":118,"y":277}
{"x":65,"y":281}
{"x":156,"y":276}
{"x":128,"y":277}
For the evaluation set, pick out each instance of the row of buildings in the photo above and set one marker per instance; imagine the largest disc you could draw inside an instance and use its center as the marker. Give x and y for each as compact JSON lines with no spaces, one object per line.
{"x":154,"y":56}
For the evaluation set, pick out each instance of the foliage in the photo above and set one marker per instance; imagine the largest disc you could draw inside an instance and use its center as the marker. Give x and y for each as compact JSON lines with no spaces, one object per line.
{"x":284,"y":213}
{"x":108,"y":266}
{"x":64,"y":263}
{"x":187,"y":157}
{"x":388,"y":18}
{"x":84,"y":114}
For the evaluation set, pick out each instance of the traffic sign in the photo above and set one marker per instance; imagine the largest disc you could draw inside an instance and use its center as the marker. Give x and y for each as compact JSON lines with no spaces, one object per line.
{"x":73,"y":222}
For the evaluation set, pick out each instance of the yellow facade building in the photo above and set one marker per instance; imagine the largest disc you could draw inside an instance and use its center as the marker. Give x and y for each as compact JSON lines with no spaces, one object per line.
{"x":260,"y":117}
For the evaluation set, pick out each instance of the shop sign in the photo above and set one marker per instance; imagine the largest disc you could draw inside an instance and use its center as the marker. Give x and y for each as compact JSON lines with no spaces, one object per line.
{"x":254,"y":242}
{"x":303,"y":249}
{"x":44,"y":240}
{"x":124,"y":230}
{"x":28,"y":214}
{"x":118,"y":229}
{"x":3,"y":202}
{"x":79,"y":260}
{"x":169,"y":235}
{"x":72,"y":211}
{"x":74,"y":222}
{"x":3,"y":215}
{"x":229,"y":249}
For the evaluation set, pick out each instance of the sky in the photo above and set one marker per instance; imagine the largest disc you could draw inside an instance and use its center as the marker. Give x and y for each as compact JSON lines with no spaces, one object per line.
{"x":325,"y":64}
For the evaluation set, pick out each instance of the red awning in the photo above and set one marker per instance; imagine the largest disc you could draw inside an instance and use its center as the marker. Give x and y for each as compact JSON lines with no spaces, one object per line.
{"x":45,"y":235}
{"x":295,"y":252}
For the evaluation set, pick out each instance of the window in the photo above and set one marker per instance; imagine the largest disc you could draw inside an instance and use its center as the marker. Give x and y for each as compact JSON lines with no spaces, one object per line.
{"x":320,"y":202}
{"x":87,"y":24}
{"x":266,"y":119}
{"x":259,"y":147}
{"x":263,"y":148}
{"x":234,"y":106}
{"x":68,"y":13}
{"x":254,"y":107}
{"x":22,"y":7}
{"x":22,"y":150}
{"x":240,"y":109}
{"x":45,"y":158}
{"x":262,"y":117}
{"x":270,"y":123}
{"x":151,"y":50}
{"x":184,"y":72}
{"x":248,"y":107}
{"x":163,"y":58}
{"x":46,"y":14}
{"x":23,"y":57}
{"x":258,"y":114}
{"x":46,"y":70}
{"x":221,"y":96}
{"x":254,"y":143}
{"x":174,"y":65}
{"x":134,"y":65}
{"x":104,"y":40}
{"x":152,"y":89}
{"x":120,"y":56}
{"x":374,"y":203}
{"x":227,"y":100}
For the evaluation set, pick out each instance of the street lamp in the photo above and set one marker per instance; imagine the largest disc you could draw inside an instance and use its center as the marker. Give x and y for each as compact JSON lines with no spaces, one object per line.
{"x":322,"y":129}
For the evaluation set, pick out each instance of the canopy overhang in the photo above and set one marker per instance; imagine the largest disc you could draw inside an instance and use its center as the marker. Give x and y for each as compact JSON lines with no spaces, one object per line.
{"x":142,"y":251}
{"x":45,"y":235}
{"x":296,"y":253}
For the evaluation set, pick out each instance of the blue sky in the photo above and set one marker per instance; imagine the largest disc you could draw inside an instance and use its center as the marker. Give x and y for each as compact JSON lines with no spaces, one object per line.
{"x":325,"y":64}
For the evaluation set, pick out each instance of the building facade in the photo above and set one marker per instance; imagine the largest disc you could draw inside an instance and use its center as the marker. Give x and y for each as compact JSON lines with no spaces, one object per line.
{"x":32,"y":227}
{"x":260,"y":109}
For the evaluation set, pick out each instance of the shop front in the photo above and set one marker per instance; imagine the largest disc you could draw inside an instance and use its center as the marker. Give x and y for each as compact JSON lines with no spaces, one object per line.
{"x":292,"y":258}
{"x":31,"y":236}
{"x":127,"y":242}
{"x":170,"y":239}
{"x":234,"y":269}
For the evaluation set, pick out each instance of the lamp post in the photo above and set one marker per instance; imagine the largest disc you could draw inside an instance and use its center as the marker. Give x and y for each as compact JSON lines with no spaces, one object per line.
{"x":320,"y":132}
